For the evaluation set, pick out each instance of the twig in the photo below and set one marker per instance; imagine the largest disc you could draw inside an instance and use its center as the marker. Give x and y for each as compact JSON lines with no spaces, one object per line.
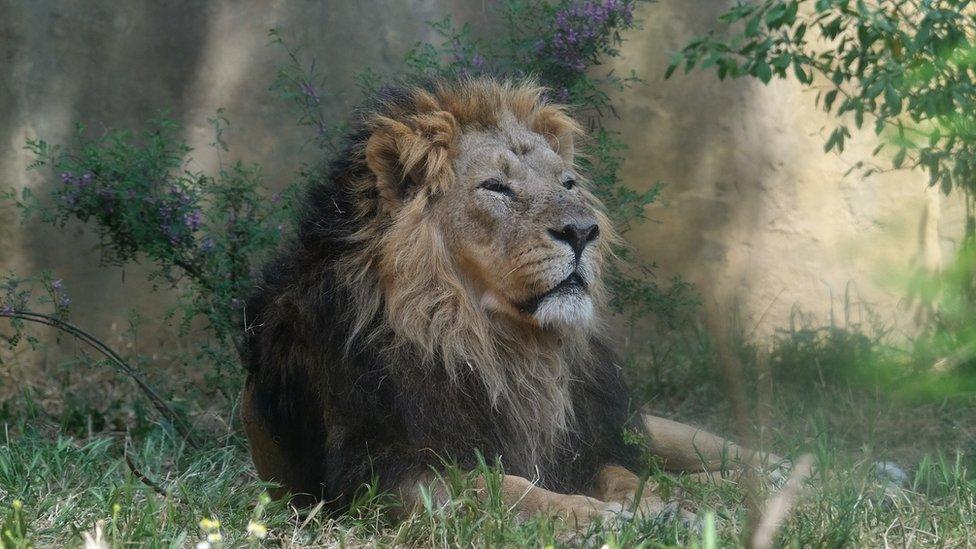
{"x":156,"y":486}
{"x":179,"y":423}
{"x":143,"y":478}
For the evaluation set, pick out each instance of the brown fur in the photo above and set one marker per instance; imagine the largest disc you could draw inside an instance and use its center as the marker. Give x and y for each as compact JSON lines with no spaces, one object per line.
{"x":425,"y":314}
{"x":406,"y":271}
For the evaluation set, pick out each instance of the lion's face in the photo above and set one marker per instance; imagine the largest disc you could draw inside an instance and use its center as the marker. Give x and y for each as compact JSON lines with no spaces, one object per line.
{"x":475,"y":221}
{"x":522,"y":228}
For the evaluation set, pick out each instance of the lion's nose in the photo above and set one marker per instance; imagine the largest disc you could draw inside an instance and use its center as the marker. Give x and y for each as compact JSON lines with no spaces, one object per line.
{"x":576,"y":235}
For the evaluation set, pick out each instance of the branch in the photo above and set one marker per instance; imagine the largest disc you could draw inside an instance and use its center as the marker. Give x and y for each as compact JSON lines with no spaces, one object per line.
{"x":178,"y":421}
{"x":143,"y":478}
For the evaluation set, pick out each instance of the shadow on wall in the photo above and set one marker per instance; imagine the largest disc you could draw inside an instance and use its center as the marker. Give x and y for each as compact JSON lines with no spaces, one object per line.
{"x":689,"y":133}
{"x":104,"y":64}
{"x":754,"y":212}
{"x":95,"y":64}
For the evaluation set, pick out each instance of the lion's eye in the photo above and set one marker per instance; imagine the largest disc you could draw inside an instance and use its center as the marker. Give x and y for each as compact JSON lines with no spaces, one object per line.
{"x":496,"y":186}
{"x":569,"y":183}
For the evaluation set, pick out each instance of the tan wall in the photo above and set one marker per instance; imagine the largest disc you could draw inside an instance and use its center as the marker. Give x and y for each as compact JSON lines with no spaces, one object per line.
{"x":108,"y":63}
{"x":756,"y":211}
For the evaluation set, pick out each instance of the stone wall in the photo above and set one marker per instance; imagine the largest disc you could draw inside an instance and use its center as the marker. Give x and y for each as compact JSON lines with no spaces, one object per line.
{"x":755,"y":212}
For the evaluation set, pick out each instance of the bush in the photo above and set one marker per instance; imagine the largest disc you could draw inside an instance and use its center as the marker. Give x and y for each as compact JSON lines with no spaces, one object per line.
{"x":205,"y":233}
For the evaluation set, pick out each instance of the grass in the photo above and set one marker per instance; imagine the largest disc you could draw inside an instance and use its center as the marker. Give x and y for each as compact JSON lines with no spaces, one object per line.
{"x":60,"y":476}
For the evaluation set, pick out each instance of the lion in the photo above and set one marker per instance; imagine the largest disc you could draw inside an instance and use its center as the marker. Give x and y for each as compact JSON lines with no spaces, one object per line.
{"x":441,"y":304}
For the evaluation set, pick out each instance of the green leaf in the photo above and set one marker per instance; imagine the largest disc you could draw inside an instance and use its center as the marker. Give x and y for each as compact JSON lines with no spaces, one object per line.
{"x":774,"y":17}
{"x":899,"y":158}
{"x":829,"y":99}
{"x":801,"y":31}
{"x":892,"y":99}
{"x":752,"y":26}
{"x":763,"y":72}
{"x":801,"y":74}
{"x":673,"y":65}
{"x":791,"y":9}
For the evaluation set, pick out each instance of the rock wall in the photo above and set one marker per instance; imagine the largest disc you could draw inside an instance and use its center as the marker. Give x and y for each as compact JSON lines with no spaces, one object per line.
{"x":755,"y":212}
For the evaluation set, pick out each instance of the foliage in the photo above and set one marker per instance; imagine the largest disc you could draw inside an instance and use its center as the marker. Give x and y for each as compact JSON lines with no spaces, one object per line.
{"x":564,"y":45}
{"x":42,"y":293}
{"x":902,"y":66}
{"x":203,"y":233}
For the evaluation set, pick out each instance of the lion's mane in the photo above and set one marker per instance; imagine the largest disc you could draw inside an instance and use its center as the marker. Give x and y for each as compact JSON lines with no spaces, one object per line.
{"x":365,"y":356}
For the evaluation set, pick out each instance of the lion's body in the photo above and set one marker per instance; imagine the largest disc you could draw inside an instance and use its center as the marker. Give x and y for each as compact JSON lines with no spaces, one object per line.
{"x":439,"y":303}
{"x":345,"y":408}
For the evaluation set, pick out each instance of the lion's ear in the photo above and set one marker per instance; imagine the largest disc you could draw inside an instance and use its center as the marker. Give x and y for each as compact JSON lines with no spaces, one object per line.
{"x":412,"y":154}
{"x":559,"y":129}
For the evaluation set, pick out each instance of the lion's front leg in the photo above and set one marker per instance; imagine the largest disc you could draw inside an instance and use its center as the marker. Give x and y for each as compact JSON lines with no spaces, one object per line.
{"x":685,"y":448}
{"x":617,"y":484}
{"x":529,"y":500}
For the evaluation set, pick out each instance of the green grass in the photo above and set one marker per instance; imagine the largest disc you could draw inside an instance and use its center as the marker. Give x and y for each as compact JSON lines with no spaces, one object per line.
{"x":66,"y":484}
{"x":67,"y":472}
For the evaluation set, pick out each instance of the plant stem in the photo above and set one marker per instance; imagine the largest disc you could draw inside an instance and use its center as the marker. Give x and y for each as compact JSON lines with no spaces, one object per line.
{"x":179,"y":423}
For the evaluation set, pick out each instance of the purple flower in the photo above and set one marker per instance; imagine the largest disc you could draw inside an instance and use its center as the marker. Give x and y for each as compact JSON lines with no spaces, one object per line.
{"x":6,"y":309}
{"x":192,"y":220}
{"x":65,"y":177}
{"x":208,"y":244}
{"x":582,"y":28}
{"x":56,"y":284}
{"x":477,"y":61}
{"x":235,"y":303}
{"x":63,"y":301}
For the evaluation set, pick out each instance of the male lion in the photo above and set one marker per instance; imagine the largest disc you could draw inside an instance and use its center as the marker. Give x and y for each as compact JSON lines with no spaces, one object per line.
{"x":443,"y":298}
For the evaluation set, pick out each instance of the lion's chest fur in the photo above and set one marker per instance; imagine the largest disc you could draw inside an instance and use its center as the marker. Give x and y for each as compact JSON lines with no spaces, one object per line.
{"x":520,"y":411}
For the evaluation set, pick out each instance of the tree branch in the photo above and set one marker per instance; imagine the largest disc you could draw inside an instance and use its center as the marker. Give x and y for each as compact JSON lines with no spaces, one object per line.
{"x":179,"y":423}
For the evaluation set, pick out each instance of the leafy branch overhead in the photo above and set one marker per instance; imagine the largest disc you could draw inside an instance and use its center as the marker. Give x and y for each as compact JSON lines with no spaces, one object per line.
{"x":903,"y":67}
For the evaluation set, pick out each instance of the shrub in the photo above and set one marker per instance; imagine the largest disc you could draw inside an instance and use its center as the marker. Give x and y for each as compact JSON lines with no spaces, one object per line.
{"x":204,"y":233}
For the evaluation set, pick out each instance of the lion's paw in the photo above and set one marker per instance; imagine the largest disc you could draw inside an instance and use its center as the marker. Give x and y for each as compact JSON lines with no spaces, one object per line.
{"x":584,"y":511}
{"x":655,"y":509}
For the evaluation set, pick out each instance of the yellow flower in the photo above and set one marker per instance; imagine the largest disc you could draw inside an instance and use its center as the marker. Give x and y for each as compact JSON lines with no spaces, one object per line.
{"x":256,"y":529}
{"x":209,"y":524}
